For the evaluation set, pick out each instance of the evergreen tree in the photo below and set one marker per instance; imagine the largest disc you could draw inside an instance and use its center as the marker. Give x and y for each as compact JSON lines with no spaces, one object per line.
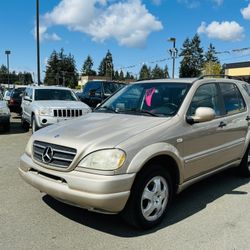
{"x":106,"y":67}
{"x":116,"y":75}
{"x":193,"y":59}
{"x":145,"y":72}
{"x":87,"y":67}
{"x":61,"y":70}
{"x":165,"y":72}
{"x":210,"y":55}
{"x":121,"y":76}
{"x":23,"y":78}
{"x":185,"y":64}
{"x":157,"y":72}
{"x":197,"y":56}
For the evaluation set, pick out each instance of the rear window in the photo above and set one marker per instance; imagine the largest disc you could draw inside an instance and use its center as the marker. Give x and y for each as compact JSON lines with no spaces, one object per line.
{"x":95,"y":87}
{"x":111,"y":87}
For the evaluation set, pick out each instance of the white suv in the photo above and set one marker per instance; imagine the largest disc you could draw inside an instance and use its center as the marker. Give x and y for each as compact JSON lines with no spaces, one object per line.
{"x":42,"y":106}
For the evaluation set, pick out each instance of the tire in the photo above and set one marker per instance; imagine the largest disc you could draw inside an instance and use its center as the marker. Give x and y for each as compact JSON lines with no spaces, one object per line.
{"x":6,"y":126}
{"x":25,"y":125}
{"x":34,"y":126}
{"x":150,"y":198}
{"x":244,"y":167}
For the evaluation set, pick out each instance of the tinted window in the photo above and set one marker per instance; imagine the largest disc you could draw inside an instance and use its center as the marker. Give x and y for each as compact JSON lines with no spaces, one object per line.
{"x":233,"y":100}
{"x":54,"y":94}
{"x":94,"y":87}
{"x":111,"y":87}
{"x":205,"y":96}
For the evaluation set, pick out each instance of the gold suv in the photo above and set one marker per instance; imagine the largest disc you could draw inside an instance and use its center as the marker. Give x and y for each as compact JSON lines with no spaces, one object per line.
{"x":145,"y":143}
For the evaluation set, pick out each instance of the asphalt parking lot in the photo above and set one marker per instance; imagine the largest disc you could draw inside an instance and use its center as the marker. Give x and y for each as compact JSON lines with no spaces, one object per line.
{"x":213,"y":214}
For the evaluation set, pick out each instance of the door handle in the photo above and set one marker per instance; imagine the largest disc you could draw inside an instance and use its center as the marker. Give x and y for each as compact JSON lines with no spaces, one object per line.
{"x":222,"y":124}
{"x":248,"y":118}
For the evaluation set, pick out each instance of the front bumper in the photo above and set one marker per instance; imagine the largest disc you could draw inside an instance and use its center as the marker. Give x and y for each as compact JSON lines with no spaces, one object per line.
{"x":106,"y":194}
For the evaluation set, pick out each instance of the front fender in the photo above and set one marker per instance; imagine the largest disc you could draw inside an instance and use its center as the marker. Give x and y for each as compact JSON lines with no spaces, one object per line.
{"x":152,"y":151}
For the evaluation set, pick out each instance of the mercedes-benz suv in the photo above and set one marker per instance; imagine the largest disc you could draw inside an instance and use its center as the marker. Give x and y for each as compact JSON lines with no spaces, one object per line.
{"x":147,"y":142}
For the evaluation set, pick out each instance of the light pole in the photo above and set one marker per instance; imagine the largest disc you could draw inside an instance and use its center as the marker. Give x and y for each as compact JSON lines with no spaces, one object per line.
{"x":38,"y":42}
{"x":173,"y":53}
{"x":7,"y":52}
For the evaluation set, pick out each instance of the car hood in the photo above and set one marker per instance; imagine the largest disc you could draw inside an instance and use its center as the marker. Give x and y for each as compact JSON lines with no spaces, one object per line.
{"x":97,"y":130}
{"x":61,"y":104}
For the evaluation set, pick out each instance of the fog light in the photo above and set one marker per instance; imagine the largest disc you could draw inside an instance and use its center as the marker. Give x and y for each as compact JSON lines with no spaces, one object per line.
{"x":44,"y":121}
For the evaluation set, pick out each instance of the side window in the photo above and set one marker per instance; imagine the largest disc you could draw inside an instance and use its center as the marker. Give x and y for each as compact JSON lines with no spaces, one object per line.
{"x":26,"y":92}
{"x":93,"y":88}
{"x":233,"y":100}
{"x":205,"y":96}
{"x":247,"y":88}
{"x":30,"y":93}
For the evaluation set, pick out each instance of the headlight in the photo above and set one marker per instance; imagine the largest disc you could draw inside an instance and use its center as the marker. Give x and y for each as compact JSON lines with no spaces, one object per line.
{"x":4,"y":111}
{"x":28,"y":149}
{"x":45,"y":111}
{"x":107,"y":159}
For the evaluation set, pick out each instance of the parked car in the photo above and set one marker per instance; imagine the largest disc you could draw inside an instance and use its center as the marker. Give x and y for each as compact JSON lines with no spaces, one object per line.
{"x":43,"y":106}
{"x":15,"y":99}
{"x":6,"y":94}
{"x":147,"y":142}
{"x":95,"y":92}
{"x":4,"y":114}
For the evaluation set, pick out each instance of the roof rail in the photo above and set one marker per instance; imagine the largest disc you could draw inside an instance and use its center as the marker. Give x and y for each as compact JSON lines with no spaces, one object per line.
{"x":218,"y":75}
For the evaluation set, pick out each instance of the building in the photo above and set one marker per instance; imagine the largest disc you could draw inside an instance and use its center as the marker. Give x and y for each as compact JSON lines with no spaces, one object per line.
{"x":84,"y":79}
{"x":239,"y":69}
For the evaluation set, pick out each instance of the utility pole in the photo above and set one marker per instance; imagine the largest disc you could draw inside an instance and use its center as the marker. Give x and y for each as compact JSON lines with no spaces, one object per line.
{"x":38,"y":42}
{"x":173,"y":53}
{"x":7,"y":52}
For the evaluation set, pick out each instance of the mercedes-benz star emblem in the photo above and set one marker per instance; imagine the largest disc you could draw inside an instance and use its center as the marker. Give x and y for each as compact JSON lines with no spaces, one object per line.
{"x":47,"y":155}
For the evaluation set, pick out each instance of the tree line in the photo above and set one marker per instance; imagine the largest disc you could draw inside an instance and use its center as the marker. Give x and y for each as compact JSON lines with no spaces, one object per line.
{"x":16,"y":78}
{"x":61,"y":68}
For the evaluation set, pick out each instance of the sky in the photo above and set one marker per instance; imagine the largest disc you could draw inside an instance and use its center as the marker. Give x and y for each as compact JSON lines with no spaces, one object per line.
{"x":135,"y":31}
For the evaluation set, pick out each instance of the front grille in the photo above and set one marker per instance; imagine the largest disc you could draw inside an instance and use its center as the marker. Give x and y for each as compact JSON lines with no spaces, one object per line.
{"x":60,"y":156}
{"x":67,"y":112}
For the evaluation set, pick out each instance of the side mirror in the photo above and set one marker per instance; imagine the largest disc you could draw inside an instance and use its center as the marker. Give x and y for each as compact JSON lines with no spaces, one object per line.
{"x":27,"y":98}
{"x":202,"y":114}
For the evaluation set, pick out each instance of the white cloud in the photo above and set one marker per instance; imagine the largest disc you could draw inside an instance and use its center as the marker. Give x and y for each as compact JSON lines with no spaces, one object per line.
{"x":192,"y":4}
{"x":44,"y":35}
{"x":246,"y":12}
{"x":157,"y":2}
{"x":226,"y":31}
{"x":128,"y":21}
{"x":218,"y":2}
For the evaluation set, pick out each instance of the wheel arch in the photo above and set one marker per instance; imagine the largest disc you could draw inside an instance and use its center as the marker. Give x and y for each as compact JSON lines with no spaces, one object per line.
{"x":162,"y":154}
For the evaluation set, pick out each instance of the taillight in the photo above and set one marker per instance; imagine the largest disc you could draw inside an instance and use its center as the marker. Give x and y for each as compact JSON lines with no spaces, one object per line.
{"x":12,"y":101}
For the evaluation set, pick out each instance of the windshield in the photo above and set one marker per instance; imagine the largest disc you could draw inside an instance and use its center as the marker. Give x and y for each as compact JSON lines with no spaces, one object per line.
{"x":154,"y":99}
{"x":55,"y":94}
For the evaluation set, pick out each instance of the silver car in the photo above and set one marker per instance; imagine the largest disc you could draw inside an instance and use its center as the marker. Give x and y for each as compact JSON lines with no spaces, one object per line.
{"x":43,"y":106}
{"x":147,"y":142}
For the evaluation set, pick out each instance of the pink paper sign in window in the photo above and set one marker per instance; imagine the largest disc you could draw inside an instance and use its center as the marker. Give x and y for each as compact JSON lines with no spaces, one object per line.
{"x":149,"y":94}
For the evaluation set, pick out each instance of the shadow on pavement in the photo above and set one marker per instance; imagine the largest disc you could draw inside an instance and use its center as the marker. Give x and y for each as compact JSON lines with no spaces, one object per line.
{"x":188,"y":203}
